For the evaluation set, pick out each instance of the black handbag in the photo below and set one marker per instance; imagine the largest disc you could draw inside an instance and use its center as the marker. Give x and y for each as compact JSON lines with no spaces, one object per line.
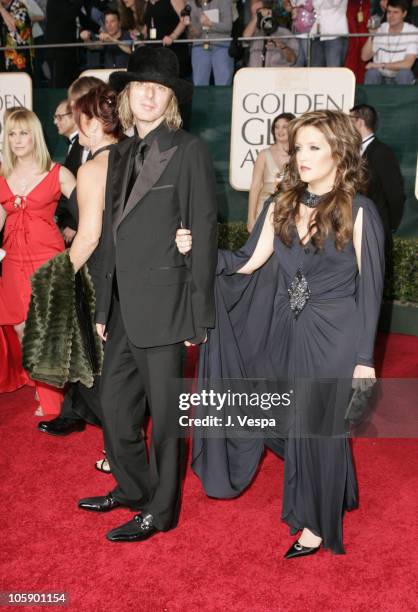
{"x":358,"y":404}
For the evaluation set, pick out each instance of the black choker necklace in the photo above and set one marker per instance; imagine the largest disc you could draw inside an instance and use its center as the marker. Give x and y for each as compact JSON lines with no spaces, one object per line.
{"x":311,"y":200}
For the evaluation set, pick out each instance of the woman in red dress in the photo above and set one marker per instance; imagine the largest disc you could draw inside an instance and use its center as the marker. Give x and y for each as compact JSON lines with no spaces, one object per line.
{"x":358,"y":13}
{"x":30,"y":188}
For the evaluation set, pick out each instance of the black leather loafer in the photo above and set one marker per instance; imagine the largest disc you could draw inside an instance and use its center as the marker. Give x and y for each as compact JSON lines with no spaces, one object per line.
{"x":60,"y":426}
{"x":104,"y":503}
{"x":140,"y":528}
{"x":297,"y":550}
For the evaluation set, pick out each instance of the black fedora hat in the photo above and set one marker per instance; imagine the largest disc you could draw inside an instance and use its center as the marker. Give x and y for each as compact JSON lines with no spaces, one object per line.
{"x":154,"y":65}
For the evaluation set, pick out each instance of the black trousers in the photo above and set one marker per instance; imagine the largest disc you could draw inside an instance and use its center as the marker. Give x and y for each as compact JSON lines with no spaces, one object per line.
{"x":64,"y":67}
{"x":133,"y":378}
{"x":83,"y":403}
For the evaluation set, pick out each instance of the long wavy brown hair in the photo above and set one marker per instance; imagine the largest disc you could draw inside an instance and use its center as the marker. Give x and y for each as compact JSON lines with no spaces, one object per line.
{"x":334,"y":214}
{"x":130,"y":20}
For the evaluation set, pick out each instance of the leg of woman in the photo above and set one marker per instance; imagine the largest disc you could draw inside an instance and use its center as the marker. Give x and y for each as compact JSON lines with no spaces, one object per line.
{"x":202,"y":65}
{"x":12,"y":374}
{"x":50,"y":398}
{"x":309,"y":539}
{"x":222,"y":64}
{"x":19,"y":329}
{"x":319,"y":486}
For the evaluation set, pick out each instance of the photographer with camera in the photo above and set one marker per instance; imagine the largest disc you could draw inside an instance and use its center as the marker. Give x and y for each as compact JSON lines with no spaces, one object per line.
{"x":210,"y":20}
{"x":390,"y":58}
{"x":273,"y":51}
{"x":114,"y":56}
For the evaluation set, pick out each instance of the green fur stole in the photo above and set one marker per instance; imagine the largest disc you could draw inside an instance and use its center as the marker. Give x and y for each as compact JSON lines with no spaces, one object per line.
{"x":57,"y":346}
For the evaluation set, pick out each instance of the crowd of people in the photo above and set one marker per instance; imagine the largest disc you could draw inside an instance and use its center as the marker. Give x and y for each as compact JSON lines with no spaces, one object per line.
{"x":205,"y":34}
{"x":301,"y":300}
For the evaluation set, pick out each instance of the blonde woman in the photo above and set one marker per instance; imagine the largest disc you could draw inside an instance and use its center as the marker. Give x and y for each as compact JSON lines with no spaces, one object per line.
{"x":30,"y":188}
{"x":269,"y":167}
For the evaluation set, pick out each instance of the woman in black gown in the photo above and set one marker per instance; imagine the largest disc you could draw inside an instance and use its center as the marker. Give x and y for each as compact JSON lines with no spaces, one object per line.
{"x":300,"y":301}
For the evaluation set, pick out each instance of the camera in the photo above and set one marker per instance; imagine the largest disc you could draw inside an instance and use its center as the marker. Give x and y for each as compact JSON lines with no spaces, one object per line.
{"x":374,"y":22}
{"x":185,"y":13}
{"x":94,"y":37}
{"x":267,"y":23}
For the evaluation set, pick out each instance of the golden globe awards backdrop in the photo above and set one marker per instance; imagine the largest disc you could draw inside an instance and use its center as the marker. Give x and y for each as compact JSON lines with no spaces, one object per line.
{"x":260,"y":94}
{"x":15,"y":90}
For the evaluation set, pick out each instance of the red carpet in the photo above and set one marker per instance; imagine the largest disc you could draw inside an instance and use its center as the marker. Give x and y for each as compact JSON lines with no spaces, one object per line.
{"x":225,"y":555}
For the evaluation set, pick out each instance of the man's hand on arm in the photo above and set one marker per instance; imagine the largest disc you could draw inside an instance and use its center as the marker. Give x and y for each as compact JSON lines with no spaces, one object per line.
{"x":68,"y":235}
{"x":101,"y":331}
{"x":200,"y":337}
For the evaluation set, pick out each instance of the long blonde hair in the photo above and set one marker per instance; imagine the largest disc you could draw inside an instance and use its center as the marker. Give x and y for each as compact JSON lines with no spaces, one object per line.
{"x":334,"y":214}
{"x":26,"y":119}
{"x":172,"y":115}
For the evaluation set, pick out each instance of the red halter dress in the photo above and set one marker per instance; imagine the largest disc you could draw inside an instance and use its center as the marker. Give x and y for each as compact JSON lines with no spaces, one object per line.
{"x":31,"y":238}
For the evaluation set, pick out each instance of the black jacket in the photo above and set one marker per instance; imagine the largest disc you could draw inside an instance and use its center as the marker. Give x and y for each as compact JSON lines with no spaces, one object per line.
{"x":74,"y":157}
{"x":164,"y":296}
{"x":61,"y":24}
{"x":386,"y":187}
{"x":63,"y":213}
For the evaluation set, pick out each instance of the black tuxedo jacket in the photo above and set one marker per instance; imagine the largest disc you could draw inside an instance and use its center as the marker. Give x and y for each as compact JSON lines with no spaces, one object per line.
{"x":74,"y":157}
{"x":64,"y":214}
{"x":386,"y":187}
{"x":165,"y":297}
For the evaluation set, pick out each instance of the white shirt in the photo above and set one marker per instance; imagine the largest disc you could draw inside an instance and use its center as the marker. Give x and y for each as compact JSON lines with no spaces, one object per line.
{"x":392,"y":48}
{"x":85,"y":155}
{"x":366,"y":141}
{"x":331,"y":17}
{"x":71,"y":138}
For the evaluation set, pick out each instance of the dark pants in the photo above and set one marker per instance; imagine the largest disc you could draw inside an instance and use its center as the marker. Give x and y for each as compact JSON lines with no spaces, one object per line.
{"x":64,"y":67}
{"x":133,"y":377}
{"x":83,"y":403}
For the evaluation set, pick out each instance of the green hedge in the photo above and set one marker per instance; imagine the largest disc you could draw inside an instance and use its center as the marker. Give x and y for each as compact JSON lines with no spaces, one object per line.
{"x":401,"y":282}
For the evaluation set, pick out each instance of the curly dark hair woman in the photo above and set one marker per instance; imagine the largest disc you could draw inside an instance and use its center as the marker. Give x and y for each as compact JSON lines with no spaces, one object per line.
{"x":307,"y":315}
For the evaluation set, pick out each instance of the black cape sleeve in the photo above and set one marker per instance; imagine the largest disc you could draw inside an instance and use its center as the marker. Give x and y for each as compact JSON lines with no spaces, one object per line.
{"x":226,"y":465}
{"x":370,"y":280}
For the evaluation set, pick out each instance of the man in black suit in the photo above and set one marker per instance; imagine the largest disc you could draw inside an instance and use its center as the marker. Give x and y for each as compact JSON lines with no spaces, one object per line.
{"x":151,"y":300}
{"x":385,"y":187}
{"x":64,"y":122}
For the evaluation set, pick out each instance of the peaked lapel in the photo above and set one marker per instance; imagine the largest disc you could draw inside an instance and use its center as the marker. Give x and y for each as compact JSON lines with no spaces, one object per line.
{"x":155,"y":163}
{"x":120,"y":176}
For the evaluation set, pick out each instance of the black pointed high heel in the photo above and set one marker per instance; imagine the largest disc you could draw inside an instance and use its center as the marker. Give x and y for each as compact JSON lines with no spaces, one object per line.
{"x":297,"y":550}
